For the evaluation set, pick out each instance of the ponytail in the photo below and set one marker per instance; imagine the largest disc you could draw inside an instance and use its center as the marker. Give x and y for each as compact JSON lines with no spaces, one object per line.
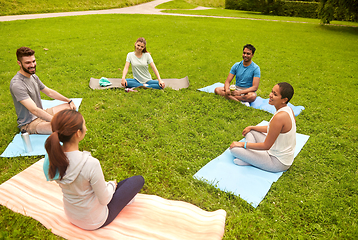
{"x":64,"y":125}
{"x":58,"y":159}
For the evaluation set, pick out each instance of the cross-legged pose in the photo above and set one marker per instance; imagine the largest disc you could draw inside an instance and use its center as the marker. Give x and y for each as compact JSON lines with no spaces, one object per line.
{"x":247,"y":78}
{"x":25,"y":88}
{"x":140,"y":59}
{"x":275,"y":150}
{"x":88,"y":200}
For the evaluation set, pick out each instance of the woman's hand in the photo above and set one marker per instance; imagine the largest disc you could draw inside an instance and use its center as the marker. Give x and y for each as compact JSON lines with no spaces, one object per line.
{"x":161,"y":83}
{"x":115,"y":184}
{"x":237,"y":144}
{"x":124,"y":82}
{"x":246,"y":130}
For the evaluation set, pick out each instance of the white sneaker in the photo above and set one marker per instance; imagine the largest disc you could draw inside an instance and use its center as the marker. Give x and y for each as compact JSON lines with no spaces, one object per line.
{"x":240,"y":162}
{"x":247,"y":104}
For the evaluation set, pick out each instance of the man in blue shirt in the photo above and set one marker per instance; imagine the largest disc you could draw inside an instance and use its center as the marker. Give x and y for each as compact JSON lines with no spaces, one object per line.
{"x":247,"y":78}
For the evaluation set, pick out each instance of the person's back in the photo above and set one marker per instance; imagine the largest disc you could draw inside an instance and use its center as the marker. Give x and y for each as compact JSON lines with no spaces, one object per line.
{"x":85,"y":196}
{"x":89,"y":201}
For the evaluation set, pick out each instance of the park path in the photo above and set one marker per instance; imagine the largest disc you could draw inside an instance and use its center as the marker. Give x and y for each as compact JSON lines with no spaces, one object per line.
{"x":144,"y":8}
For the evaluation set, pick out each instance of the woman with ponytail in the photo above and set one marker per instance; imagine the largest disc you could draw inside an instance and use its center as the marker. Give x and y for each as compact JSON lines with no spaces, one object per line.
{"x":89,"y":201}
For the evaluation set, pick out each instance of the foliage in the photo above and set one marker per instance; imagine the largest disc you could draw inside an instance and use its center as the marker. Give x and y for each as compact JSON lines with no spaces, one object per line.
{"x":167,"y":136}
{"x":276,"y":7}
{"x":338,"y":10}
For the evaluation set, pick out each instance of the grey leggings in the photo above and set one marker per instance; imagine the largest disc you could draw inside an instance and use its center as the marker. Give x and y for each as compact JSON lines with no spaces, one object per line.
{"x":258,"y":158}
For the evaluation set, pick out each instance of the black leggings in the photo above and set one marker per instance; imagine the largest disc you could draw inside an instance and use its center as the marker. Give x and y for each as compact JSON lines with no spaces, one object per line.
{"x":125,"y":192}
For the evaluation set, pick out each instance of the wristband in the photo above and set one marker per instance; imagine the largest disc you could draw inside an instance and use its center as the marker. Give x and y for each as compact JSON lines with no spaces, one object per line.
{"x":245,"y":145}
{"x":69,"y":102}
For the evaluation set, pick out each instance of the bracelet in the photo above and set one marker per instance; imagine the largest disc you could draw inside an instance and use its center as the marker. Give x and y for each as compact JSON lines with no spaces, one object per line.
{"x":69,"y":102}
{"x":245,"y":145}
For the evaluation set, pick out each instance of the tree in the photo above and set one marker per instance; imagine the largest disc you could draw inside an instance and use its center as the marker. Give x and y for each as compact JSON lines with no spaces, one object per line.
{"x":346,"y":10}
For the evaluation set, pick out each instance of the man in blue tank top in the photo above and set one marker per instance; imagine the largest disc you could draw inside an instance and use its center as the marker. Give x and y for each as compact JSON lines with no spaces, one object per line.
{"x":247,"y":78}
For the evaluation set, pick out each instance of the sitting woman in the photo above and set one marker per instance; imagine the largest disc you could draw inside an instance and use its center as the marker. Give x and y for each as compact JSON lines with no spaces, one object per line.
{"x":275,"y":150}
{"x":140,"y":59}
{"x":88,"y":200}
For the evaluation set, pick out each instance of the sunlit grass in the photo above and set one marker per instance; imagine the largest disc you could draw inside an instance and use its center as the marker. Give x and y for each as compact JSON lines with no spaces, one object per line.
{"x":167,"y":136}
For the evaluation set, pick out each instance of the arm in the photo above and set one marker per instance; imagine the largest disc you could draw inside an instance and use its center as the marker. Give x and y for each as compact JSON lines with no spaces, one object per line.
{"x":55,"y":95}
{"x":124,"y":74}
{"x":38,"y":112}
{"x":227,"y":83}
{"x":262,"y":129}
{"x":255,"y":86}
{"x":155,"y":70}
{"x":276,"y":126}
{"x":103,"y":190}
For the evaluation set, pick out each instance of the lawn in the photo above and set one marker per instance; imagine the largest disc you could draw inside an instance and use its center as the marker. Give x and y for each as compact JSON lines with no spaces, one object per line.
{"x":167,"y":136}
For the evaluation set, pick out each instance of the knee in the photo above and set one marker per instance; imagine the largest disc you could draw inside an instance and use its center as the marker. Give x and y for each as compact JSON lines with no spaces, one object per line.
{"x":139,"y":179}
{"x":218,"y":91}
{"x":251,"y":97}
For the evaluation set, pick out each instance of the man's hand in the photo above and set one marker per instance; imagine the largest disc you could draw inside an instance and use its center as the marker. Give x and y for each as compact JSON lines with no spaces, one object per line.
{"x":227,"y":91}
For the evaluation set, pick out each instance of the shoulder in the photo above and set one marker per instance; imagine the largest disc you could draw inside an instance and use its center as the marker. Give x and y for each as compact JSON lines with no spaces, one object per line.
{"x":17,"y":82}
{"x":236,"y":65}
{"x":91,"y":162}
{"x":254,"y":65}
{"x":35,"y":77}
{"x":18,"y":77}
{"x":282,"y":116}
{"x":147,"y":55}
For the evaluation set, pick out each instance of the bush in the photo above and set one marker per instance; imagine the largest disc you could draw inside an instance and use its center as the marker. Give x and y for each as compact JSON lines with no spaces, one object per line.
{"x":276,"y":7}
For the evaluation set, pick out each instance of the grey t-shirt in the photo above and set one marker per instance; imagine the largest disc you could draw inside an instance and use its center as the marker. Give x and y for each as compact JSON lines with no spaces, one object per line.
{"x":22,"y":88}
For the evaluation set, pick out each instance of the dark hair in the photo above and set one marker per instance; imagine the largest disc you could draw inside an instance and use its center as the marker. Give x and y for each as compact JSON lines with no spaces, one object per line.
{"x":142,"y":40}
{"x":286,"y":90}
{"x":250,"y":47}
{"x":24,"y":52}
{"x":64,"y":124}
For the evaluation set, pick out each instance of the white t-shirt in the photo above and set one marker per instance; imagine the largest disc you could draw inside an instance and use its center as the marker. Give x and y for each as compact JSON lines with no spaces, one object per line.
{"x":140,"y":66}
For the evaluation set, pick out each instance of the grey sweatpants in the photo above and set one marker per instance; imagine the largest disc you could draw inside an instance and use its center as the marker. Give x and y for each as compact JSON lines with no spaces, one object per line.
{"x":258,"y":158}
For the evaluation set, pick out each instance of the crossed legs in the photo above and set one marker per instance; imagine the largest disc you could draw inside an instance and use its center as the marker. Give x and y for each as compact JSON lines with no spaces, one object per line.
{"x":248,"y":97}
{"x":258,"y":158}
{"x":125,"y":192}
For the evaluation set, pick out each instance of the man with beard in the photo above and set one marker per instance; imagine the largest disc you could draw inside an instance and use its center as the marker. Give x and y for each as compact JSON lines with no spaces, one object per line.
{"x":247,"y":79}
{"x":25,"y":88}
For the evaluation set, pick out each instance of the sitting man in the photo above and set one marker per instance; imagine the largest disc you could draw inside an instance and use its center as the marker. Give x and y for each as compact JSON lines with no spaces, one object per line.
{"x":25,"y":89}
{"x":247,"y":79}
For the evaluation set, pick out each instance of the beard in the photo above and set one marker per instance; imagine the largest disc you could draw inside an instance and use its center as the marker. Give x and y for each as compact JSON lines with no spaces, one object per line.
{"x":28,"y":71}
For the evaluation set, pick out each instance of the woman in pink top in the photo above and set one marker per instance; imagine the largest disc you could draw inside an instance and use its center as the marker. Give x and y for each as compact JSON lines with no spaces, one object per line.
{"x":271,"y":147}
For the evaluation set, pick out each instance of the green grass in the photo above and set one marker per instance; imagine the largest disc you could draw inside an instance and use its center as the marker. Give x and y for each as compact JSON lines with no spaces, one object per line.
{"x":175,"y":8}
{"x":176,"y":4}
{"x":167,"y":136}
{"x":17,"y":7}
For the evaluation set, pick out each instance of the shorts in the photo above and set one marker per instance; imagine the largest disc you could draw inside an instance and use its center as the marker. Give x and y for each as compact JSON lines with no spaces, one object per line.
{"x":240,"y":88}
{"x":31,"y":127}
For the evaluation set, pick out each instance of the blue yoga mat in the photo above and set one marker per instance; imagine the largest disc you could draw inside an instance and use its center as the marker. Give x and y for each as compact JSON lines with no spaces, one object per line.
{"x":259,"y":103}
{"x":247,"y":182}
{"x":16,"y":147}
